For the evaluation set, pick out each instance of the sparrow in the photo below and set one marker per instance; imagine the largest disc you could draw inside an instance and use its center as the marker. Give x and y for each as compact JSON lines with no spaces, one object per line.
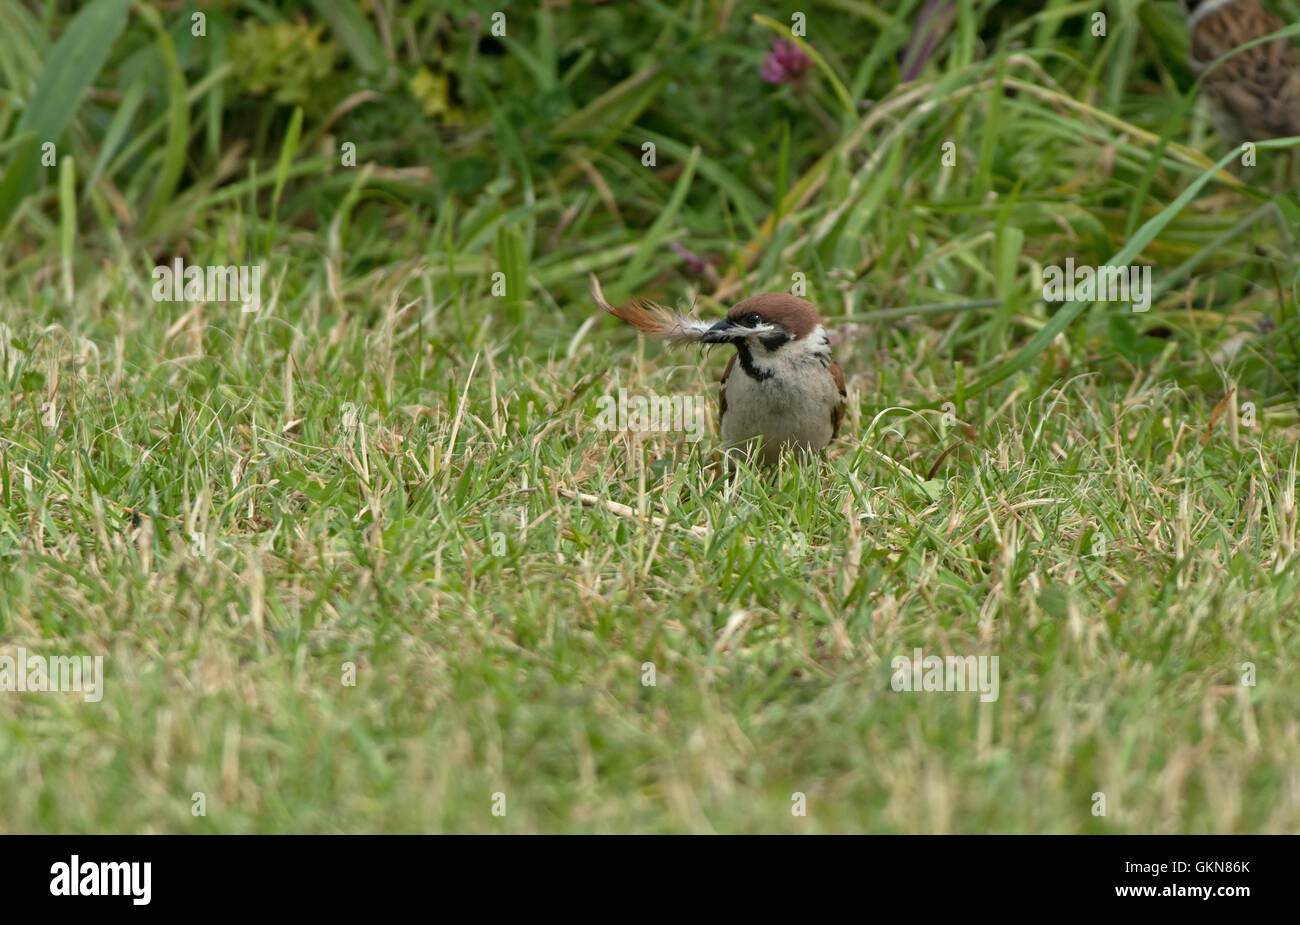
{"x":785,"y":393}
{"x":1255,"y":94}
{"x":788,"y":390}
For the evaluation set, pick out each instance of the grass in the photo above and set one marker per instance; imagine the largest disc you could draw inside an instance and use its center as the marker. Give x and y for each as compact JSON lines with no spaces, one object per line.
{"x":391,"y":474}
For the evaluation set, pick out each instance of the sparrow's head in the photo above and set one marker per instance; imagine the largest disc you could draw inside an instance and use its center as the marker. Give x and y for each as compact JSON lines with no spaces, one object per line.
{"x":772,"y":320}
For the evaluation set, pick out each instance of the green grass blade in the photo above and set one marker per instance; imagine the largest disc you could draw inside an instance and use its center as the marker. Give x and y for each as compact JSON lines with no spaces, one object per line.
{"x":1145,"y":235}
{"x":287,"y":150}
{"x":71,"y":67}
{"x":654,"y":238}
{"x":178,"y":122}
{"x":350,"y":26}
{"x":67,"y":220}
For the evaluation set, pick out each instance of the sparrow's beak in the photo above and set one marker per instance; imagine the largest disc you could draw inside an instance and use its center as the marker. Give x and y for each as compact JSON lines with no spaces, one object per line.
{"x":724,"y":332}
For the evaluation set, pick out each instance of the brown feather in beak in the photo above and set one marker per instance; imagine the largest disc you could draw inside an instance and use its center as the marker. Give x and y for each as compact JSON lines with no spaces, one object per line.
{"x":653,"y":319}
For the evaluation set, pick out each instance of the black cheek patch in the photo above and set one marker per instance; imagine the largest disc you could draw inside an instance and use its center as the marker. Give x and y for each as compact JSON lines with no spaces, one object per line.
{"x":747,"y":363}
{"x":777,"y":339}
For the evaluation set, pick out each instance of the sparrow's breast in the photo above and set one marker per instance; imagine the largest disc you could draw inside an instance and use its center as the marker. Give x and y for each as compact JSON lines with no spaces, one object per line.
{"x":789,"y":408}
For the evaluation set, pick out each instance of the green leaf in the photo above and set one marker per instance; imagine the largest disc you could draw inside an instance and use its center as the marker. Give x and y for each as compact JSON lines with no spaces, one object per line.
{"x":71,"y":67}
{"x":287,"y":151}
{"x":618,"y":105}
{"x":636,"y":269}
{"x":178,"y":121}
{"x":1123,"y":336}
{"x":17,"y":178}
{"x":67,"y":219}
{"x":117,"y":128}
{"x":350,"y":26}
{"x":746,"y":200}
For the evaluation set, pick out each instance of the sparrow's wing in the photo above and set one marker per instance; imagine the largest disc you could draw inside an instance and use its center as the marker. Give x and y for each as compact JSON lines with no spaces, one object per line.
{"x":837,"y":410}
{"x":722,"y":388}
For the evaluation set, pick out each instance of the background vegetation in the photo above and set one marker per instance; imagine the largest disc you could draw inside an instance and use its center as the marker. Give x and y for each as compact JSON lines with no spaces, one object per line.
{"x":388,"y":465}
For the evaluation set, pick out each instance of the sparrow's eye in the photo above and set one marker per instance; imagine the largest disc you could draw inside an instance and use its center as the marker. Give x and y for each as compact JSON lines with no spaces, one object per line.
{"x":752,"y":320}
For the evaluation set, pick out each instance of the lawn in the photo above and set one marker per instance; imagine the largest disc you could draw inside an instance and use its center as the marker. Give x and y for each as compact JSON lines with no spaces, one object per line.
{"x":358,"y":556}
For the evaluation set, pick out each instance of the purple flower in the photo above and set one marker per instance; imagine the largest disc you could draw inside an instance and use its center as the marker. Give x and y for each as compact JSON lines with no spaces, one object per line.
{"x":785,"y":63}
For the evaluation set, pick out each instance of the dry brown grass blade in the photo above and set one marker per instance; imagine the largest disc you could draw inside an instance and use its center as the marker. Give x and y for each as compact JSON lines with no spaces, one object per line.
{"x":1215,"y":415}
{"x":622,"y":510}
